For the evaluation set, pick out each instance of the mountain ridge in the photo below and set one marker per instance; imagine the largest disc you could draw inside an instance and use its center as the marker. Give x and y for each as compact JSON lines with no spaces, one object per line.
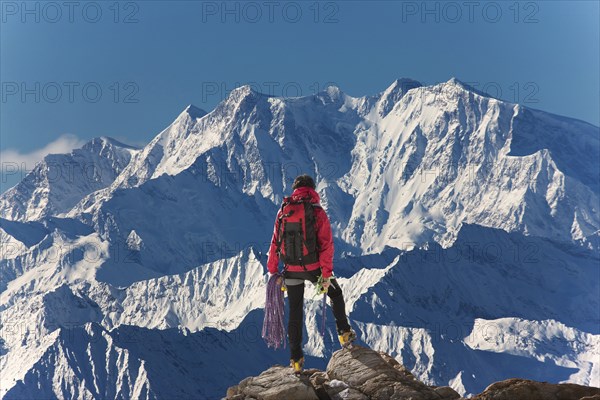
{"x":446,"y":206}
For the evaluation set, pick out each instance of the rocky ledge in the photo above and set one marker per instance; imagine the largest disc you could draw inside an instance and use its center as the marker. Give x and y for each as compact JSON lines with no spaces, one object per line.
{"x":361,"y":373}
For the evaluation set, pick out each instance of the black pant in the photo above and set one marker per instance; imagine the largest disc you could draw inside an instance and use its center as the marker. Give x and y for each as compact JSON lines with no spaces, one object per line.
{"x":296,"y":301}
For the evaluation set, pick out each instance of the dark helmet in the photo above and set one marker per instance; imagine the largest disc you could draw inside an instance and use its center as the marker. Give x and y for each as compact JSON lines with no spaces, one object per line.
{"x":304,"y":180}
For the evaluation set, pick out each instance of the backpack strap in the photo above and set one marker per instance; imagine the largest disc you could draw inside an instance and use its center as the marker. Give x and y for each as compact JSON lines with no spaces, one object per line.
{"x":279,"y":239}
{"x":316,"y":205}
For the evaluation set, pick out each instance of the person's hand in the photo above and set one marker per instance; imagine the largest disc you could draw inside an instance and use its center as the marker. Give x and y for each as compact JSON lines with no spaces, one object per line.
{"x":278,"y":280}
{"x":326,"y":283}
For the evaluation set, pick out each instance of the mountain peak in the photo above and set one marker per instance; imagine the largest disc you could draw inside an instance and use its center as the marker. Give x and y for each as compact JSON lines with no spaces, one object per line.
{"x":243,"y":91}
{"x":242,"y":94}
{"x":104,"y":145}
{"x":50,"y":189}
{"x":455,"y":82}
{"x":403,"y":84}
{"x":333,"y":90}
{"x":195,"y":112}
{"x":331,"y":94}
{"x":107,"y":140}
{"x":390,"y":96}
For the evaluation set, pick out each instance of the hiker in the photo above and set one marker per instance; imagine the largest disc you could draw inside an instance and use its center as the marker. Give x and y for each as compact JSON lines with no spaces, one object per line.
{"x":302,"y":239}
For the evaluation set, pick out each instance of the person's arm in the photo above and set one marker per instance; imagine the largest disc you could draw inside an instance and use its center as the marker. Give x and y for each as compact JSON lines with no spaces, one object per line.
{"x":325,"y":240}
{"x":273,"y":261}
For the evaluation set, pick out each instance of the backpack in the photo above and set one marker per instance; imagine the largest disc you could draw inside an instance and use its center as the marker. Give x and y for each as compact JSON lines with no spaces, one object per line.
{"x":296,"y":232}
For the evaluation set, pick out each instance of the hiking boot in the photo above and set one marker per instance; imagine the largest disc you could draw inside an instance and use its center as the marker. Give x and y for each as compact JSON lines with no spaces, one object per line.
{"x":347,"y":337}
{"x":297,"y":365}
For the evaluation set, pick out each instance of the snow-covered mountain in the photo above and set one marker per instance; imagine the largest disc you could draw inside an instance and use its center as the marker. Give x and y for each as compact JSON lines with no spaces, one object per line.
{"x":60,"y":181}
{"x":452,"y":211}
{"x":401,"y":174}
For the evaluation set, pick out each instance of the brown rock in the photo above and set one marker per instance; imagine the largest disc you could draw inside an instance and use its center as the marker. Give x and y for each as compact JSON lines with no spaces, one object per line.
{"x":239,"y":397}
{"x":364,"y":374}
{"x":276,"y":383}
{"x":318,"y":378}
{"x":232,"y":391}
{"x":446,"y":392}
{"x":523,"y":389}
{"x":319,"y":381}
{"x":335,"y":387}
{"x":394,"y":363}
{"x":370,"y":373}
{"x":349,"y":394}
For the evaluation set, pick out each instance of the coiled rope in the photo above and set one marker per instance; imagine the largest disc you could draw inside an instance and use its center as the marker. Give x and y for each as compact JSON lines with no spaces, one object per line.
{"x":273,"y":330}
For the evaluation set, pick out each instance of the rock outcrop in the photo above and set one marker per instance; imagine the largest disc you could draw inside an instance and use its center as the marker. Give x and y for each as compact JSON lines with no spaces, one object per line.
{"x":354,"y":374}
{"x":362,"y":374}
{"x":511,"y":389}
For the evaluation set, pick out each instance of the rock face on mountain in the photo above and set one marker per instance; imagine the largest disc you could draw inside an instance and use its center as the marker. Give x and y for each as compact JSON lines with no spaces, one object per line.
{"x":512,"y":389}
{"x":358,"y":373}
{"x":361,"y":374}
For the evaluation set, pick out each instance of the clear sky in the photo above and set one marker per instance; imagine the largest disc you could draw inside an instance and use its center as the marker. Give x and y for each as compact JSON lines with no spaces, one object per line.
{"x":73,"y":71}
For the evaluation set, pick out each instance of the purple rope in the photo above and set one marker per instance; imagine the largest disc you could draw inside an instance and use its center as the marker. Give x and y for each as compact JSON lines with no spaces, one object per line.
{"x":273,"y":330}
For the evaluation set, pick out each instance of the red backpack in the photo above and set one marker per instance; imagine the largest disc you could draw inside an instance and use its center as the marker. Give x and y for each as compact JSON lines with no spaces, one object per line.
{"x":296,"y":232}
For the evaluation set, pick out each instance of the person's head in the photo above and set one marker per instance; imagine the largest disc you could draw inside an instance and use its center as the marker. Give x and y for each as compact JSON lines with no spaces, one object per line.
{"x":302,"y":181}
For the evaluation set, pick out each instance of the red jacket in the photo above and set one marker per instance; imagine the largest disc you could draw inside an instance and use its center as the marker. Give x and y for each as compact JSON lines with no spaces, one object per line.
{"x":324,"y":239}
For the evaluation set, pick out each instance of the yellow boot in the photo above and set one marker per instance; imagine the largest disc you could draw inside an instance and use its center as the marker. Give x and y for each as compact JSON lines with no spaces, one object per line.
{"x":297,"y":365}
{"x":347,"y":337}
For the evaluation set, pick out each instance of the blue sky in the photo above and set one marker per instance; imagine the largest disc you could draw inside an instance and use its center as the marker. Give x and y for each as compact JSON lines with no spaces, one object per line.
{"x":127,"y":69}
